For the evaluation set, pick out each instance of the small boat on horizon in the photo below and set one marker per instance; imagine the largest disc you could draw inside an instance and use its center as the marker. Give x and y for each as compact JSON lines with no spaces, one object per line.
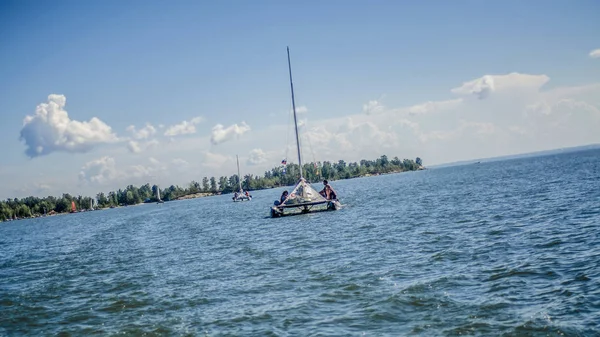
{"x":240,"y":194}
{"x":158,"y":200}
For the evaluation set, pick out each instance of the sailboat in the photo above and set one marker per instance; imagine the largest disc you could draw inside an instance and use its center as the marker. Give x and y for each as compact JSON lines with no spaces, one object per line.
{"x":239,"y":195}
{"x":158,"y":200}
{"x":73,"y":208}
{"x":304,"y":198}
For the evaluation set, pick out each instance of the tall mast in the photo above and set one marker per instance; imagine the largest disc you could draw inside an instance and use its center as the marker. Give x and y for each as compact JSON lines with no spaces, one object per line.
{"x":294,"y":109}
{"x":239,"y":177}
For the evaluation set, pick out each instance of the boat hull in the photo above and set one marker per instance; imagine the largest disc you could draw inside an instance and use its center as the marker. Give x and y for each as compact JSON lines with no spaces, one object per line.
{"x":330,"y":205}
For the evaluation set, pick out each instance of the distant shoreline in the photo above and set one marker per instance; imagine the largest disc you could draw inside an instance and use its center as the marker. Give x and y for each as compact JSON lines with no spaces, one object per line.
{"x":285,"y":174}
{"x":541,"y":153}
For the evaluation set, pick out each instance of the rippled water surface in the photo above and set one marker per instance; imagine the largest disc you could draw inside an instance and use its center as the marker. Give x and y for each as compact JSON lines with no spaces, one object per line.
{"x":498,"y":248}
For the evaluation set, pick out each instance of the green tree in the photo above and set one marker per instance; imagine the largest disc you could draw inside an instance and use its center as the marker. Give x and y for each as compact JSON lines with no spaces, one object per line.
{"x":205,"y":185}
{"x":213,"y":185}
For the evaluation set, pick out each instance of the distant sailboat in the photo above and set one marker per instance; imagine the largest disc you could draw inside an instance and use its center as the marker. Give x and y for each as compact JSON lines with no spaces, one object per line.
{"x":304,"y":198}
{"x":240,"y":195}
{"x":73,"y":208}
{"x":158,"y":200}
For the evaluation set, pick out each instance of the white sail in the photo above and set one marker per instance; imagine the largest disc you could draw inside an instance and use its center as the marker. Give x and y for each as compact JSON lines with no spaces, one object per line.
{"x":239,"y":176}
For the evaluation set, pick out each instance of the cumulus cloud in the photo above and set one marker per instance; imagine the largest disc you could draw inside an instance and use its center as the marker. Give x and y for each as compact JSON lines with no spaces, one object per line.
{"x":134,"y":147}
{"x":373,"y":107}
{"x":183,"y":128}
{"x":221,"y":134}
{"x":481,"y":87}
{"x":51,"y":130}
{"x":143,"y":133}
{"x":137,"y":147}
{"x":257,"y":157}
{"x":595,"y":53}
{"x":484,"y":86}
{"x":99,"y":171}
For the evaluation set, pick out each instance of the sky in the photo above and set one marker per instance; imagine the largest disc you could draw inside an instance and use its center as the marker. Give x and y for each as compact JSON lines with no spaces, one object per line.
{"x":97,"y":95}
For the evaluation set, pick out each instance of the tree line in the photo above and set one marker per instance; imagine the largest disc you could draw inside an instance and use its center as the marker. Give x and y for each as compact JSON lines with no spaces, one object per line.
{"x":284,"y":175}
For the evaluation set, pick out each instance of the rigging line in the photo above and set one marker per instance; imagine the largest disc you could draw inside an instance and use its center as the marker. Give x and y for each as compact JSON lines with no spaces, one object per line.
{"x":287,"y":140}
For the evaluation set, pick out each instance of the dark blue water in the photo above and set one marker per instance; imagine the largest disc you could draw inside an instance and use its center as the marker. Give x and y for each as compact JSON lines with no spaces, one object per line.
{"x":500,"y":248}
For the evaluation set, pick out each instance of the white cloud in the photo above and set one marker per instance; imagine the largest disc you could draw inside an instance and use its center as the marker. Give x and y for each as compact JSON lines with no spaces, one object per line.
{"x":220,"y":134}
{"x":484,"y":86}
{"x":595,"y":53}
{"x":257,"y":157}
{"x":134,"y":147}
{"x":373,"y":107}
{"x":376,"y":107}
{"x":183,"y":128}
{"x":143,"y":133}
{"x":99,"y":171}
{"x":151,"y":144}
{"x":302,"y":123}
{"x":138,"y":147}
{"x":429,"y":107}
{"x":301,"y":109}
{"x":481,"y":87}
{"x":51,"y":130}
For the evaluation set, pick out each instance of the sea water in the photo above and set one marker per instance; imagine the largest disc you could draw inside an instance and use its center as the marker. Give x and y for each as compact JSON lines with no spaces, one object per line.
{"x":507,"y":247}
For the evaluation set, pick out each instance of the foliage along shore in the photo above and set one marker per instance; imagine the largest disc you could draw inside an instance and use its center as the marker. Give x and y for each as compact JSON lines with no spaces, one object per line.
{"x":29,"y":207}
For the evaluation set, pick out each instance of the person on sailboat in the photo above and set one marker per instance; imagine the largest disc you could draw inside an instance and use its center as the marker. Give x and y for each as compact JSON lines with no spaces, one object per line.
{"x":284,"y":195}
{"x":323,"y":192}
{"x":235,"y":195}
{"x":330,"y":193}
{"x":247,"y":194}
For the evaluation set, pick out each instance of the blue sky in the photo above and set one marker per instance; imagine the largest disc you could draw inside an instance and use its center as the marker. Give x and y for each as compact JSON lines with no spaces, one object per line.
{"x":137,"y":62}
